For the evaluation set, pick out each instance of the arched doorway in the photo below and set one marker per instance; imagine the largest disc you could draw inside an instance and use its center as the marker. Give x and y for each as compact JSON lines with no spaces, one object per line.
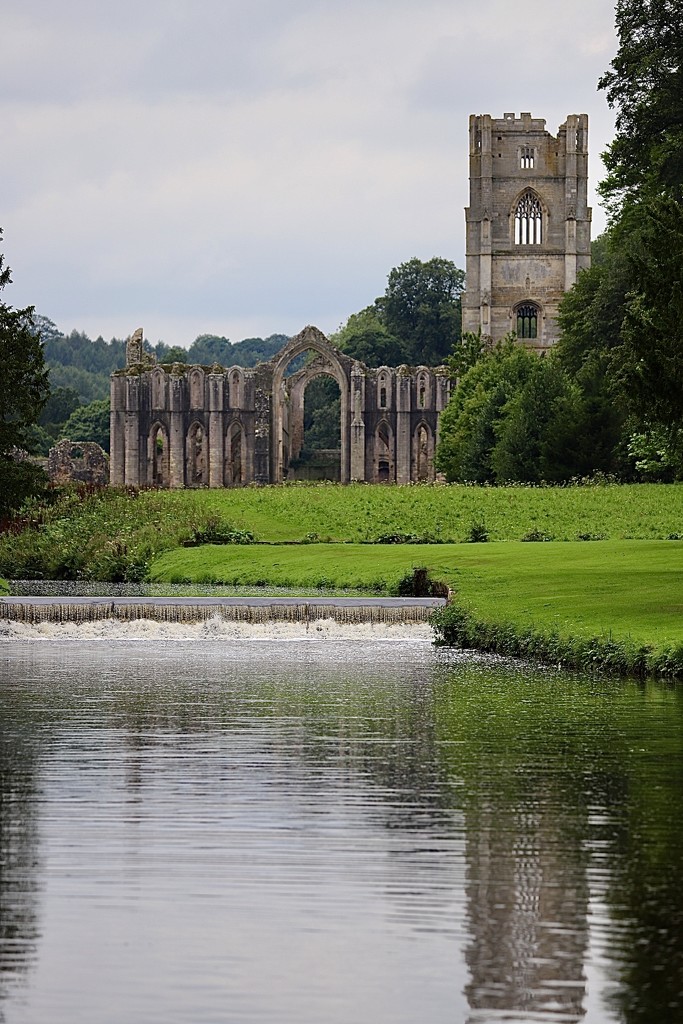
{"x":385,"y":470}
{"x":314,"y":426}
{"x":158,"y":456}
{"x":196,"y":468}
{"x":423,"y":453}
{"x":288,"y":400}
{"x":235,"y":456}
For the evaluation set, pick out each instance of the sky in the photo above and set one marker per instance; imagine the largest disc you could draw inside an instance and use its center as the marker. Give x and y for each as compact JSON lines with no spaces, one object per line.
{"x":247,"y":167}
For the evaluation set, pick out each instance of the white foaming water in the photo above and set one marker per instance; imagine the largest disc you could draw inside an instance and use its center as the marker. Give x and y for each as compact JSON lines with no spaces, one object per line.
{"x":216,"y":628}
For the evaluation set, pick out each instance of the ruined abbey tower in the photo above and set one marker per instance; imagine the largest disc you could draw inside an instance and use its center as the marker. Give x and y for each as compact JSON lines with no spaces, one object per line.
{"x":528,"y":224}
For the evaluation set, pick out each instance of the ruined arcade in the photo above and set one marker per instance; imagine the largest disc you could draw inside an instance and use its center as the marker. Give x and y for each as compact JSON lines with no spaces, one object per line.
{"x":198,"y":426}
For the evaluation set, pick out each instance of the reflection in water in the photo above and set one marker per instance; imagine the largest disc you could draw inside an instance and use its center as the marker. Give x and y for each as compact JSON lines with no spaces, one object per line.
{"x":308,"y":831}
{"x":18,"y":854}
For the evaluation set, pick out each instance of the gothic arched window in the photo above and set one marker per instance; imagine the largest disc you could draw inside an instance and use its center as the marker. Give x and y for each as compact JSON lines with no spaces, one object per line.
{"x":527,"y":321}
{"x":529,"y":220}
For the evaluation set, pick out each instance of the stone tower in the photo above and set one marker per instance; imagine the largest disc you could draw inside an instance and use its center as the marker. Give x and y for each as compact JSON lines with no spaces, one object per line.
{"x":528,"y":224}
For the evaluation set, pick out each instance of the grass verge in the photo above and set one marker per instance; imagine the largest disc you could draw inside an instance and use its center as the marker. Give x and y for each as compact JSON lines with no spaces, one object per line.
{"x":114,"y":534}
{"x":615,"y":604}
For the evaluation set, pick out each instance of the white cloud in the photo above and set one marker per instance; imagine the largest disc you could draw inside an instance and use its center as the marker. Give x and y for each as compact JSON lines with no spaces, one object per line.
{"x":259,"y":165}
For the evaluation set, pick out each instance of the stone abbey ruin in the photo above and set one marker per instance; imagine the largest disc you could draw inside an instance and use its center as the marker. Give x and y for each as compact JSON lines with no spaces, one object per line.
{"x":528,"y":235}
{"x":193,"y":426}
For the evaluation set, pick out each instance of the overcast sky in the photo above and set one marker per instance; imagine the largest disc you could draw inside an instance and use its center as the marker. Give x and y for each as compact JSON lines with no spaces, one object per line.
{"x":245,"y":167}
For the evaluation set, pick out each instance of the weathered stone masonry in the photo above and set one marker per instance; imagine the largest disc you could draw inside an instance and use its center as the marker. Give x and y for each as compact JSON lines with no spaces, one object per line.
{"x":194,"y":426}
{"x":528,"y":224}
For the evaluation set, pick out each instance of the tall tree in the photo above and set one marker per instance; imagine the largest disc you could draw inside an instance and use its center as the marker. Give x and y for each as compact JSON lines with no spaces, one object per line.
{"x":417,"y":320}
{"x":645,"y":85}
{"x":422,"y":308}
{"x":24,"y":389}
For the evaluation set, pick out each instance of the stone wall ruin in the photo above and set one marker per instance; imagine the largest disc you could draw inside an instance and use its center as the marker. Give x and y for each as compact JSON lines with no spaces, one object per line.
{"x":197,"y":426}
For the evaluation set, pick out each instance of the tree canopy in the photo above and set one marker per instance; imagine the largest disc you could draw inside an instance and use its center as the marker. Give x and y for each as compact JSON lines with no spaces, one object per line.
{"x":24,"y":390}
{"x":645,"y":85}
{"x":417,"y":321}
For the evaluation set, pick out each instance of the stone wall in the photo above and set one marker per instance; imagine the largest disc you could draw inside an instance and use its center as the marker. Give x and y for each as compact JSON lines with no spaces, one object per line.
{"x":197,"y":426}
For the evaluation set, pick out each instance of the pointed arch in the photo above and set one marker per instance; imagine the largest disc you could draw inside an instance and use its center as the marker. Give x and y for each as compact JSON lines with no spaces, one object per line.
{"x":197,"y":398}
{"x":384,"y":454}
{"x":423,"y":453}
{"x":527,"y":319}
{"x":158,"y":389}
{"x":384,"y":388}
{"x":158,"y":456}
{"x":196,"y":456}
{"x":336,"y":365}
{"x":235,"y":386}
{"x":529,"y":218}
{"x":234,"y":473}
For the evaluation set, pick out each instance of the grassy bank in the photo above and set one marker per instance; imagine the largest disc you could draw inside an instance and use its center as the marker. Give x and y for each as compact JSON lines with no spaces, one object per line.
{"x":115,"y":535}
{"x":616,"y":604}
{"x":516,"y":597}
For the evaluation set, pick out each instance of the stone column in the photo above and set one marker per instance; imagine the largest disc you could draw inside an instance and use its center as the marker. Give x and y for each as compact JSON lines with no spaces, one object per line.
{"x":176,"y":430}
{"x":443,"y":386}
{"x":403,"y":439}
{"x":357,"y":423}
{"x":216,"y":431}
{"x":117,"y":432}
{"x":132,"y":432}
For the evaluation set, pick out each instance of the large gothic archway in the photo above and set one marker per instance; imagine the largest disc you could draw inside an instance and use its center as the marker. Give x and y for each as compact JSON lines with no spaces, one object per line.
{"x":286,"y":413}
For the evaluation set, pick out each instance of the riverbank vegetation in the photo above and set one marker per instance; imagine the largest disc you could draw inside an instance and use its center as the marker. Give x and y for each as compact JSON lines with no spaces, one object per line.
{"x":116,"y":534}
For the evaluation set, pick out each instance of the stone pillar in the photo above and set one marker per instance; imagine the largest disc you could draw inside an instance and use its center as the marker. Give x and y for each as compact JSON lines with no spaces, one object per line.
{"x":176,"y":431}
{"x":357,"y":423}
{"x":216,"y":431}
{"x":403,"y":439}
{"x":132,"y":432}
{"x":570,"y":201}
{"x":117,"y":432}
{"x":443,"y":393}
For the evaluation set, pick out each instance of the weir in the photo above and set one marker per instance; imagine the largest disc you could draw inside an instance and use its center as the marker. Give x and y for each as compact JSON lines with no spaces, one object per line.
{"x":345,"y":611}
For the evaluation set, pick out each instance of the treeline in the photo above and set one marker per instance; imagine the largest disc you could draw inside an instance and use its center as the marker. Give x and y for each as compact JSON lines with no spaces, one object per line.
{"x":609,"y":396}
{"x":79,"y":371}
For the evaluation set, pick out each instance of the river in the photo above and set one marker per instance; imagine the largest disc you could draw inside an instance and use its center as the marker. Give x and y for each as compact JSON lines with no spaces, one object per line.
{"x":210,"y":826}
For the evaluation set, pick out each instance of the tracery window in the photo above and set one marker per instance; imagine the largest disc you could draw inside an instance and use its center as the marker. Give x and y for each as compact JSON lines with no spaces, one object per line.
{"x":526,"y":156}
{"x":527,"y":321}
{"x":529,"y":220}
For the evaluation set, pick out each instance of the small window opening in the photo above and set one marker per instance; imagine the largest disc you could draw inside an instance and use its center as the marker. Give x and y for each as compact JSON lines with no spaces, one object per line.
{"x":526,"y":156}
{"x":528,"y":220}
{"x":527,"y":321}
{"x":383,"y":398}
{"x":422,"y":395}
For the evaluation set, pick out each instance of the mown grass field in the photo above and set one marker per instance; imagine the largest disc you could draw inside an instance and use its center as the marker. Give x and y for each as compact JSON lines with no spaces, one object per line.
{"x":626,"y":589}
{"x":116,"y":535}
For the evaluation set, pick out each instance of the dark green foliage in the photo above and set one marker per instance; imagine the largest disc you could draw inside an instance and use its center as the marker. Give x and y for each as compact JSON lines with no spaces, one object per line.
{"x":417,"y":321}
{"x":645,"y":85}
{"x":59,"y":406}
{"x":422,"y":309}
{"x":89,"y":423}
{"x":216,"y":531}
{"x":478,"y":534}
{"x":19,"y":481}
{"x":77,"y":362}
{"x":322,"y":415}
{"x":24,"y":390}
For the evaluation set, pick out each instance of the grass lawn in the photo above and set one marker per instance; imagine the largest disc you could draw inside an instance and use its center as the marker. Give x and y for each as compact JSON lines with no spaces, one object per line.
{"x":629,"y":589}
